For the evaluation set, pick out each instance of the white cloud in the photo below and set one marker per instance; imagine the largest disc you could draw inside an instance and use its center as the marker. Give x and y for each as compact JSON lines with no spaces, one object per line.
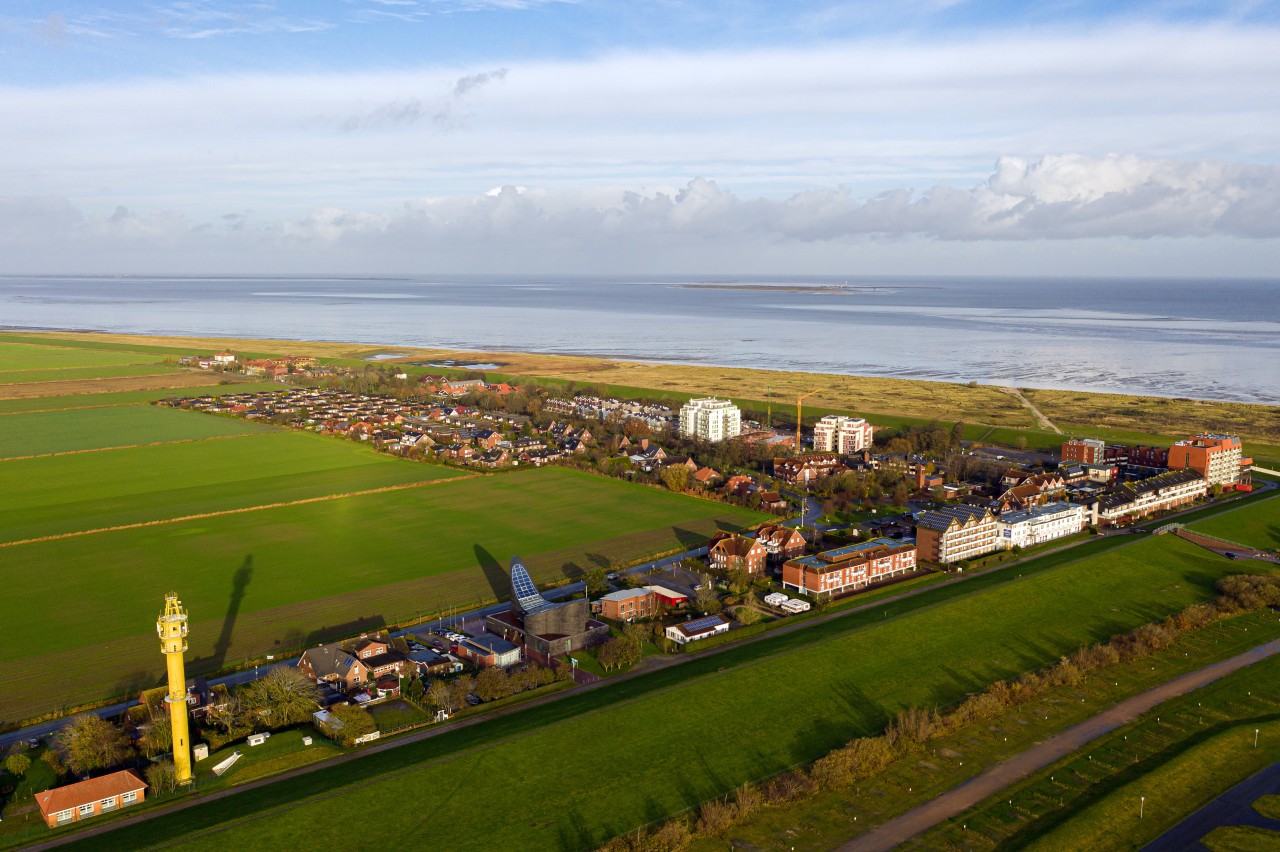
{"x":1059,"y":199}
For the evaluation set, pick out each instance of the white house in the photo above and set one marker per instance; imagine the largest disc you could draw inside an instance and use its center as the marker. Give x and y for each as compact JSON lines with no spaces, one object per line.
{"x":1039,"y":524}
{"x":710,"y":419}
{"x":699,"y":628}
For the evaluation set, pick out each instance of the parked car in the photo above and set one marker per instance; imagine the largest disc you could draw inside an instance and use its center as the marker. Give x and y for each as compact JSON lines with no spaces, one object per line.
{"x":34,"y":742}
{"x":1230,"y":554}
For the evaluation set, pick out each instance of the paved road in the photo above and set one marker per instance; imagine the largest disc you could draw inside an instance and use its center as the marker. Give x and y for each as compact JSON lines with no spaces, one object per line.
{"x":977,"y":789}
{"x":1234,"y":807}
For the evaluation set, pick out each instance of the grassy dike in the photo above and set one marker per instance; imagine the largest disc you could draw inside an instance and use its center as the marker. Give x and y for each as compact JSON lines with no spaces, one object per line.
{"x":638,"y":750}
{"x":1178,"y":757}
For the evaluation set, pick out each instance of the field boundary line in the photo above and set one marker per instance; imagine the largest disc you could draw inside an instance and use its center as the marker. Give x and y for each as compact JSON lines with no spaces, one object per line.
{"x":401,"y":487}
{"x":72,"y":381}
{"x":124,"y":446}
{"x":4,"y":373}
{"x":73,"y":408}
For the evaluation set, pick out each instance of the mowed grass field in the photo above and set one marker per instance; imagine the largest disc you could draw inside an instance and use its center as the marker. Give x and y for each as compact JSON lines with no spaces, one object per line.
{"x":598,"y":774}
{"x":92,"y":491}
{"x":98,"y":428}
{"x":281,"y":578}
{"x":123,"y":398}
{"x":1257,"y":525}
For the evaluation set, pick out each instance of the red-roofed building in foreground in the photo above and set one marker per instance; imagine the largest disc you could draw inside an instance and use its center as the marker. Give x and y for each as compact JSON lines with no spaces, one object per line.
{"x":91,"y":798}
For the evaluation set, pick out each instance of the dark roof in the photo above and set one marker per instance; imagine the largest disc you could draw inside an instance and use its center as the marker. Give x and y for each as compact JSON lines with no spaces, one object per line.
{"x":329,"y":660}
{"x":492,"y":644}
{"x":941,"y":519}
{"x":1130,"y":491}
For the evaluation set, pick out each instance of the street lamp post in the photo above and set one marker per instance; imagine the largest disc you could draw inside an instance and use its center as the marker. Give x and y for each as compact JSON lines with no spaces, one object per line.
{"x":1255,"y":737}
{"x":1142,"y":805}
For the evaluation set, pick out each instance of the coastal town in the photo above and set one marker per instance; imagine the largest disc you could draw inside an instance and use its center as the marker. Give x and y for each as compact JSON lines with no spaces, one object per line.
{"x":858,"y":510}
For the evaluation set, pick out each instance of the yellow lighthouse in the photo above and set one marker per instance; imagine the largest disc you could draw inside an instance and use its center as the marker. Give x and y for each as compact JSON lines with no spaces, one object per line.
{"x":172,"y":627}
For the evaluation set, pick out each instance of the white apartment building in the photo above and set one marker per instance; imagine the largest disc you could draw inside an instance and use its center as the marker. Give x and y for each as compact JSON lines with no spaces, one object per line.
{"x":838,"y":434}
{"x":710,"y":419}
{"x":1039,"y":524}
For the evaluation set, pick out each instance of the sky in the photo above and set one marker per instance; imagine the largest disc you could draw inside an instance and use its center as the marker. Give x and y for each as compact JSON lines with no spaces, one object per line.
{"x":640,"y":136}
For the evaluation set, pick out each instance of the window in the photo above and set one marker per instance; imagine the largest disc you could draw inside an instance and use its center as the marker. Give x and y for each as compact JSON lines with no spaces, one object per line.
{"x":64,"y":816}
{"x":130,"y":797}
{"x":107,"y":804}
{"x":86,"y":810}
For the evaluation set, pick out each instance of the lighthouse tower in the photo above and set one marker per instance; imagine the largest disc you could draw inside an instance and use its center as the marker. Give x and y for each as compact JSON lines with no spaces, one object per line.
{"x":172,"y":627}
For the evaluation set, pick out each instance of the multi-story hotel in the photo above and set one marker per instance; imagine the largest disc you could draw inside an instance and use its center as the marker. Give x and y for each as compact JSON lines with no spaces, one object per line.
{"x":1215,"y":457}
{"x":710,"y":419}
{"x":850,"y":567}
{"x":1084,"y":450}
{"x":955,"y":533}
{"x":845,"y":435}
{"x":1039,"y":524}
{"x":1134,"y":500}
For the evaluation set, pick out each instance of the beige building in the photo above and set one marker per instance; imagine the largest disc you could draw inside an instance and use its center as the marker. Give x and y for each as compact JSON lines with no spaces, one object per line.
{"x":838,"y":434}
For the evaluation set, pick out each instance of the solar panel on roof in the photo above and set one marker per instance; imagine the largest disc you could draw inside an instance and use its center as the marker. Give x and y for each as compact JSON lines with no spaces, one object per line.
{"x":702,"y":623}
{"x":525,"y":591}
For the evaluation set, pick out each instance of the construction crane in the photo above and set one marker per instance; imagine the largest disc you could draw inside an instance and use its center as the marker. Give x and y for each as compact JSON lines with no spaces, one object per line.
{"x":799,"y":412}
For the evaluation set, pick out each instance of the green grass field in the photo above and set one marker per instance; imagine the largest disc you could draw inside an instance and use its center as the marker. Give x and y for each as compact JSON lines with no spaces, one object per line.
{"x":701,"y":737}
{"x":281,"y":578}
{"x":1257,"y":524}
{"x":100,"y":428}
{"x":23,"y":357}
{"x":14,"y":377}
{"x":122,"y":398}
{"x":88,"y":491}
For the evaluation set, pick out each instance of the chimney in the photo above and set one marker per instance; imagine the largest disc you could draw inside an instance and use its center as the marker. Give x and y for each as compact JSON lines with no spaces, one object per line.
{"x":644,"y":443}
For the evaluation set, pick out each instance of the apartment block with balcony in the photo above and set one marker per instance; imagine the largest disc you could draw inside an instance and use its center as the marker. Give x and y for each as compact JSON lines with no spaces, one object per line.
{"x":835,"y":433}
{"x":710,"y":419}
{"x":1215,"y":457}
{"x":955,"y":533}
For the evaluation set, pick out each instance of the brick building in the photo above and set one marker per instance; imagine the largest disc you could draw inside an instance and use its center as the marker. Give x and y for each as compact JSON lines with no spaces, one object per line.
{"x":94,"y":797}
{"x":1083,"y":450}
{"x":1215,"y":457}
{"x":955,"y":533}
{"x":738,"y":553}
{"x":779,"y":542}
{"x":629,"y":604}
{"x":851,"y":567}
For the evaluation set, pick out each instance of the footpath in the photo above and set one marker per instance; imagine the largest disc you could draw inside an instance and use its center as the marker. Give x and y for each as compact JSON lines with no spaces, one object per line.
{"x":981,"y":787}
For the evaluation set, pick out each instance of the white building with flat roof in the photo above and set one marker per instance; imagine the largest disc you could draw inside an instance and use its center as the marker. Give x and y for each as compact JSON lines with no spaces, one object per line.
{"x":836,"y":433}
{"x":1039,"y":524}
{"x":710,"y":419}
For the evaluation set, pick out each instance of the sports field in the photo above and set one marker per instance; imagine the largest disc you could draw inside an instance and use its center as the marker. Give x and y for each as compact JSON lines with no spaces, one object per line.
{"x":1257,"y":525}
{"x":699,"y":738}
{"x":278,"y":578}
{"x":97,"y":428}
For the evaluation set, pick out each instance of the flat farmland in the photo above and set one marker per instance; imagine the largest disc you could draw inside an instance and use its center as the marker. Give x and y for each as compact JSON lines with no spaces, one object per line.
{"x":1256,"y":524}
{"x":134,"y":397}
{"x":279,"y":578}
{"x":846,"y":685}
{"x":91,"y":491}
{"x":26,"y":357}
{"x":98,"y":428}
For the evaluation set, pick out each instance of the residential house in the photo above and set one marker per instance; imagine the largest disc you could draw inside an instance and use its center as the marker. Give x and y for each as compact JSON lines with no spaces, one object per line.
{"x":772,"y":501}
{"x":701,"y":628}
{"x":779,"y":542}
{"x":738,"y":553}
{"x":628,"y":604}
{"x":1039,"y":524}
{"x":807,"y":468}
{"x":90,"y":798}
{"x":334,"y":664}
{"x":706,"y":477}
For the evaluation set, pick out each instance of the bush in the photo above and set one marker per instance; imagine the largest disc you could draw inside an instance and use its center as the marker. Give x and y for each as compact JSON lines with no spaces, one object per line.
{"x":17,"y":764}
{"x":788,"y":787}
{"x":715,"y":817}
{"x":162,"y":777}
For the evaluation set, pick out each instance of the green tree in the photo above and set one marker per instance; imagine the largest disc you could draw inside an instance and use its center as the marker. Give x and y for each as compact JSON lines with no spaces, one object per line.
{"x":158,"y":739}
{"x":349,"y":722}
{"x":675,"y":477}
{"x":162,"y":777}
{"x":416,"y":690}
{"x":17,"y":764}
{"x":462,"y":687}
{"x":705,"y":599}
{"x":597,"y":583}
{"x":283,"y":696}
{"x":746,"y":615}
{"x":89,"y":742}
{"x":440,"y":694}
{"x":492,"y":684}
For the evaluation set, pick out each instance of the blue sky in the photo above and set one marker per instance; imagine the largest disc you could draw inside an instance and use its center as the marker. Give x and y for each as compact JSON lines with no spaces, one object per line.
{"x":474,"y":135}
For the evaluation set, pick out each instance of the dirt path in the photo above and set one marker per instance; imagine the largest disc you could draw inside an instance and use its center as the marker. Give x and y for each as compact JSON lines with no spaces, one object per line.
{"x":240,"y":511}
{"x":977,"y":789}
{"x":1045,"y":422}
